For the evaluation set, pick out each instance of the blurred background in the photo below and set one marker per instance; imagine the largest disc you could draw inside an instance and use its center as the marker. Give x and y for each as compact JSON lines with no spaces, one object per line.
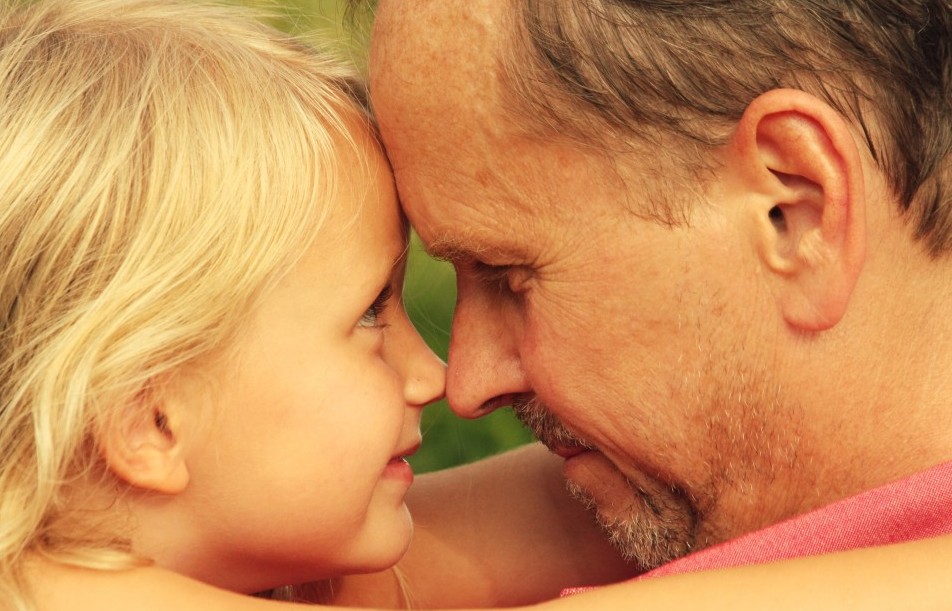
{"x":430,"y":291}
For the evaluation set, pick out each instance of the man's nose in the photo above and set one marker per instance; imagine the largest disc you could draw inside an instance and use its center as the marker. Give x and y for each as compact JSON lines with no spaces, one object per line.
{"x":484,"y":370}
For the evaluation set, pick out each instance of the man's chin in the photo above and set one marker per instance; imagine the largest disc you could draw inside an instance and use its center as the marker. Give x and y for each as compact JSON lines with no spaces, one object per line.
{"x":647,"y":522}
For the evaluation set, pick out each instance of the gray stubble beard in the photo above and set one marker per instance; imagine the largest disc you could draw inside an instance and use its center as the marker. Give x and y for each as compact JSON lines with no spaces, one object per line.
{"x":656,"y":527}
{"x":650,"y":532}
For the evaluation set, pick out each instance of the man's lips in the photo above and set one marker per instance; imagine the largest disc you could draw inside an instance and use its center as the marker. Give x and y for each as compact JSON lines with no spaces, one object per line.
{"x":567,"y":452}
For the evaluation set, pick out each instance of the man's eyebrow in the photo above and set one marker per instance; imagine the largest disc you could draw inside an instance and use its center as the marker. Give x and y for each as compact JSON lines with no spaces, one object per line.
{"x":448,"y":249}
{"x":452,"y":249}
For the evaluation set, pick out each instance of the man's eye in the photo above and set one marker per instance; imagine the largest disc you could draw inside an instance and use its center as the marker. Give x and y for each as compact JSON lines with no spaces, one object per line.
{"x":371,"y":318}
{"x":509,"y":279}
{"x":496,"y":276}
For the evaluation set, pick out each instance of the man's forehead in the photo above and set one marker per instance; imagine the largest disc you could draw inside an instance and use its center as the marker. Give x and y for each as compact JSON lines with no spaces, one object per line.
{"x":421,"y":51}
{"x":465,"y":175}
{"x":458,"y":218}
{"x":463,"y":200}
{"x":425,"y":23}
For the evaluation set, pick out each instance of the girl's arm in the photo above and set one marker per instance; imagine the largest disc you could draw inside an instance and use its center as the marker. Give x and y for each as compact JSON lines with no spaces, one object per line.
{"x":903,"y":576}
{"x":891,"y":578}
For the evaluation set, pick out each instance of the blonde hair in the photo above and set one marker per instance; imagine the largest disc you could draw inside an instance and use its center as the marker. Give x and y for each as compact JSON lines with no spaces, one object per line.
{"x":162,"y":164}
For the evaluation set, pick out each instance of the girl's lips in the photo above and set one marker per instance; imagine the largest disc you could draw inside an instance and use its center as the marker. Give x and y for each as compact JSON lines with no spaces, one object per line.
{"x":409,"y":451}
{"x":398,"y":468}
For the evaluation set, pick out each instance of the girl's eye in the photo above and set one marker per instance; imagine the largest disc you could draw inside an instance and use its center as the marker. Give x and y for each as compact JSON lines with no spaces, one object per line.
{"x":371,"y":318}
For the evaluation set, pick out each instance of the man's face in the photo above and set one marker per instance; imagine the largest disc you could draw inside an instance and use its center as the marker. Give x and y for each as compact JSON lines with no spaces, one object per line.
{"x":632,"y":347}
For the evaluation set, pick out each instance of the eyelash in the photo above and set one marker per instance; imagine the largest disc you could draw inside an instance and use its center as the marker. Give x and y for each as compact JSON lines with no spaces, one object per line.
{"x":371,"y":318}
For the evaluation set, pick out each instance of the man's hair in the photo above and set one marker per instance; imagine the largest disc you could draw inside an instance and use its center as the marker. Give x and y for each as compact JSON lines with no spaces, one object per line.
{"x":163,"y":164}
{"x":593,"y":68}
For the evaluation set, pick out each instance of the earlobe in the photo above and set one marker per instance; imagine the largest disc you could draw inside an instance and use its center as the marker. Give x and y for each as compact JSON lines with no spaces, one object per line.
{"x":142,"y":448}
{"x":799,"y":156}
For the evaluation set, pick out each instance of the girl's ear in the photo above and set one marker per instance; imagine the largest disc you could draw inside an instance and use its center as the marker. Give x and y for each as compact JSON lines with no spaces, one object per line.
{"x":142,"y":445}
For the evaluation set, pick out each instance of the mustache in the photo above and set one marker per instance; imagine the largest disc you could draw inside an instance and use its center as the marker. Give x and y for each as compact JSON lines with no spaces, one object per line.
{"x":536,"y":417}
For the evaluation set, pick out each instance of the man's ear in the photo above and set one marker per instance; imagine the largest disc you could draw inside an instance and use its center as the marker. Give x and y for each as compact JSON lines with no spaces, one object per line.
{"x":800,"y":158}
{"x":142,"y":446}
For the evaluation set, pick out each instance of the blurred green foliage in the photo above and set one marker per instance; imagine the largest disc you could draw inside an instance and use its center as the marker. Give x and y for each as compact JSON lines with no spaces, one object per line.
{"x":430,"y":291}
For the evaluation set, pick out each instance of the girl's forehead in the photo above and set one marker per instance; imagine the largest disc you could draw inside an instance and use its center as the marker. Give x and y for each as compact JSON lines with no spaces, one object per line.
{"x":364,"y":214}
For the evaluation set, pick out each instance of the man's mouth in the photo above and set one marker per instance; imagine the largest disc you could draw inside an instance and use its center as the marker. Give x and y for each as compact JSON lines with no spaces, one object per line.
{"x":567,"y":452}
{"x":547,"y":428}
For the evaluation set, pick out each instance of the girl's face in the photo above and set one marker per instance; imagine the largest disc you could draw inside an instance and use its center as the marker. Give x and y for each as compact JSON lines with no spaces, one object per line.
{"x":300,"y":473}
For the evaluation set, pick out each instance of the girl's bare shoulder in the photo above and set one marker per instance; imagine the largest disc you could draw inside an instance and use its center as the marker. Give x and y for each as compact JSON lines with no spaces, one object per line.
{"x":60,"y":588}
